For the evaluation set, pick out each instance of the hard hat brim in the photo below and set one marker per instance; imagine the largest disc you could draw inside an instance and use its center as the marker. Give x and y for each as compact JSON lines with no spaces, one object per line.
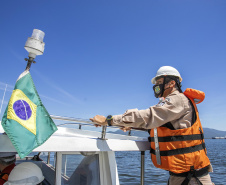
{"x":153,"y":81}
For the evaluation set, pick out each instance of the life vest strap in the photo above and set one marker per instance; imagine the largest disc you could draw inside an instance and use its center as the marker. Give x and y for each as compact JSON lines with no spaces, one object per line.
{"x":192,"y":173}
{"x":178,"y":138}
{"x":181,"y":150}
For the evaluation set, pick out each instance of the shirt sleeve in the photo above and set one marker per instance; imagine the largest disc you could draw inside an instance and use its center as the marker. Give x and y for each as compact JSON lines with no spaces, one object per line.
{"x":170,"y":109}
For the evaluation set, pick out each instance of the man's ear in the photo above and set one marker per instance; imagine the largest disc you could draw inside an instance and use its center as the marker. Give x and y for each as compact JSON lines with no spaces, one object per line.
{"x":172,"y":83}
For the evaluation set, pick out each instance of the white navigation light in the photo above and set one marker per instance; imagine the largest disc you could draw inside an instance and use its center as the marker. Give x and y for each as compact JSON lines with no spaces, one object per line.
{"x":35,"y":44}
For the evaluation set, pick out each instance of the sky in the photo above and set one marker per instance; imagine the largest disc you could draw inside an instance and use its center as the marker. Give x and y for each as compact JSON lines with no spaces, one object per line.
{"x":101,"y":55}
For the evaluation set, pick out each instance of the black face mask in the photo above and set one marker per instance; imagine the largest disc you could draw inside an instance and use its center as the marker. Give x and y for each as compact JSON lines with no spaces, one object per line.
{"x":158,"y":90}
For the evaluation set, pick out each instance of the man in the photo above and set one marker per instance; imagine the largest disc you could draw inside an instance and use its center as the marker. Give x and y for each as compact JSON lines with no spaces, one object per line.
{"x":176,"y":134}
{"x":7,"y":163}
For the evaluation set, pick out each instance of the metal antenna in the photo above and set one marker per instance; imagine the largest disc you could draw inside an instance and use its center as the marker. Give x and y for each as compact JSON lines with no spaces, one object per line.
{"x":3,"y":98}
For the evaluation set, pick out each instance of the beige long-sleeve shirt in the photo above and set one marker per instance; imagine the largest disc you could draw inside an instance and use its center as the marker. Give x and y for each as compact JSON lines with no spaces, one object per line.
{"x":175,"y":108}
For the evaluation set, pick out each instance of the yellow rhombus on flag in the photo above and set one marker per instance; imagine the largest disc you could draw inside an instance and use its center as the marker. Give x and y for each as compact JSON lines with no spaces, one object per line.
{"x":20,"y":112}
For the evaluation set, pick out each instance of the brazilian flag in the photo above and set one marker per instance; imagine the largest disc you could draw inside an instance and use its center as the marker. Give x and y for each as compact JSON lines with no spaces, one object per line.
{"x":26,"y":121}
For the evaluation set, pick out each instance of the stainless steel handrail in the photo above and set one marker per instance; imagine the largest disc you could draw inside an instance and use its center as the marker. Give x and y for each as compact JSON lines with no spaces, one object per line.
{"x":76,"y":120}
{"x":86,"y":122}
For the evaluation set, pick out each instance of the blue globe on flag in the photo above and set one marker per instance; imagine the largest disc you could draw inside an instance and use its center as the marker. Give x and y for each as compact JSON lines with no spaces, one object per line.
{"x":22,"y":109}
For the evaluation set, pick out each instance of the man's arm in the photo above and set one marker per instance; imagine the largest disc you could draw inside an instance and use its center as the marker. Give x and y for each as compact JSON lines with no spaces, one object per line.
{"x":170,"y":109}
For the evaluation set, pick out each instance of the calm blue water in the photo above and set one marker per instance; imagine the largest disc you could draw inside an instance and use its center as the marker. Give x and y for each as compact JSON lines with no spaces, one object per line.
{"x":129,"y":165}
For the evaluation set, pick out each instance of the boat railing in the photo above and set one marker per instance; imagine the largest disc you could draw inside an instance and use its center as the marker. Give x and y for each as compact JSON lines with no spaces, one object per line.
{"x":85,"y":122}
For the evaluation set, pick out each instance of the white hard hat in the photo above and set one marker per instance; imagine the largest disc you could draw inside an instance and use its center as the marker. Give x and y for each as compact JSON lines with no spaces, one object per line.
{"x":26,"y":173}
{"x":8,"y":159}
{"x":7,"y":154}
{"x":166,"y":71}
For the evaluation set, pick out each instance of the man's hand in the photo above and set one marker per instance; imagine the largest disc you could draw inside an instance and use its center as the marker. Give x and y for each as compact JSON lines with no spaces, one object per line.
{"x":100,"y":120}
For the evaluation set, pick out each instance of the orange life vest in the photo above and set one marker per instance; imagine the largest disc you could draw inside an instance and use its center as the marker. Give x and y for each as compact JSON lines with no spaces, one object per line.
{"x":179,"y":150}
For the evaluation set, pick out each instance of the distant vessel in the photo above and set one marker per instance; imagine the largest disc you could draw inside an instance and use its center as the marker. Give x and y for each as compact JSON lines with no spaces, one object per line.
{"x":219,"y":137}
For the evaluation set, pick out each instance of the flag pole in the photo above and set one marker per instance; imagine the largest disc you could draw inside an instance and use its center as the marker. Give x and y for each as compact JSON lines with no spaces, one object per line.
{"x":29,"y":62}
